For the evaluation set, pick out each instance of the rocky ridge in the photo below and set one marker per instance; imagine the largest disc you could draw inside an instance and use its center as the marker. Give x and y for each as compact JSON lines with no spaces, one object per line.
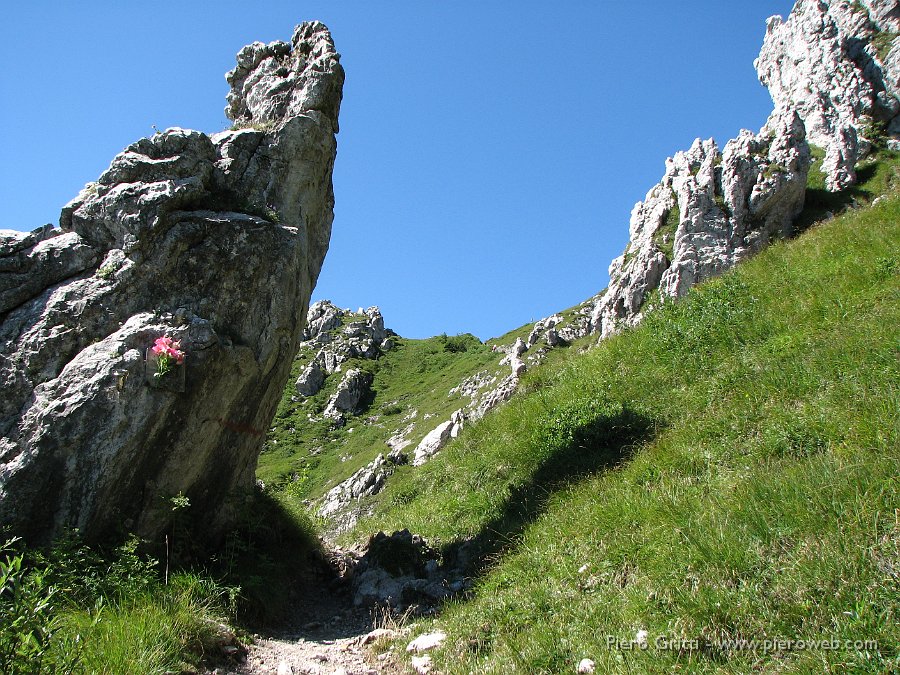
{"x":215,"y":241}
{"x":837,"y":65}
{"x":711,"y":210}
{"x":831,"y":70}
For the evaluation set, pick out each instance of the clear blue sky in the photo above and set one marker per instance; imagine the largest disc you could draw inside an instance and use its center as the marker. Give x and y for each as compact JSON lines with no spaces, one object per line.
{"x":489,"y":155}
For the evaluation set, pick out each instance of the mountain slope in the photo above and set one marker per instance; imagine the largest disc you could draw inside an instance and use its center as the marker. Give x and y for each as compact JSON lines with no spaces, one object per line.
{"x":725,"y":471}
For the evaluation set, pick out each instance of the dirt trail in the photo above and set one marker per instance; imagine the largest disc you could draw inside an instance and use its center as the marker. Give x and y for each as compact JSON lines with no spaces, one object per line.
{"x":326,"y":636}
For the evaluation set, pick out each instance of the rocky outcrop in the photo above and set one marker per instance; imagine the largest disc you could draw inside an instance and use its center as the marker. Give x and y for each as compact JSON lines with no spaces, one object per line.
{"x":833,"y":70}
{"x":214,"y":241}
{"x":401,"y":569}
{"x":311,"y":379}
{"x":837,"y":64}
{"x":366,"y":482}
{"x":434,"y":440}
{"x":335,"y":336}
{"x":710,"y":211}
{"x":350,"y":396}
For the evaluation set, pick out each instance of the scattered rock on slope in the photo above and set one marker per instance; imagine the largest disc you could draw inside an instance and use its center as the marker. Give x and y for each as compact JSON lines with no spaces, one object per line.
{"x":400,"y":570}
{"x":716,"y":207}
{"x":434,"y":440}
{"x":337,"y":335}
{"x":351,"y":394}
{"x":214,"y":241}
{"x":366,"y":482}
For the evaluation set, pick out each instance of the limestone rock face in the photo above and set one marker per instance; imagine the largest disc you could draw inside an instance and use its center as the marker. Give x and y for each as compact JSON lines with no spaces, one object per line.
{"x":434,"y":440}
{"x":336,"y":335}
{"x":837,"y":64}
{"x":710,"y":211}
{"x":350,"y":395}
{"x":311,"y":379}
{"x":215,"y":241}
{"x":366,"y":482}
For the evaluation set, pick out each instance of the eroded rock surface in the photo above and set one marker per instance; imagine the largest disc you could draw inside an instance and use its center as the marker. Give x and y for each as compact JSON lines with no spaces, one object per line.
{"x":335,"y":336}
{"x":837,"y":64}
{"x":366,"y":482}
{"x":401,"y":569}
{"x":710,"y":211}
{"x":351,"y":394}
{"x":215,"y":241}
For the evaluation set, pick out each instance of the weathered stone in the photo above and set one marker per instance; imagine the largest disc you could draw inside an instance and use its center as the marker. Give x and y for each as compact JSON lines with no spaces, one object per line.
{"x":823,"y":63}
{"x":710,"y":211}
{"x":215,"y":241}
{"x":402,"y":569}
{"x":434,"y":440}
{"x":494,"y":397}
{"x":519,"y":347}
{"x":311,"y":379}
{"x":399,"y":440}
{"x":458,"y":419}
{"x":542,"y":328}
{"x":29,"y":271}
{"x":421,"y":664}
{"x":397,"y":457}
{"x":351,"y":394}
{"x":426,"y":642}
{"x":323,"y":317}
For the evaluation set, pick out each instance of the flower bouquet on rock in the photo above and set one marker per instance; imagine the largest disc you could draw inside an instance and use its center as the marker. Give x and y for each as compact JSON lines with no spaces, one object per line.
{"x":165,"y":364}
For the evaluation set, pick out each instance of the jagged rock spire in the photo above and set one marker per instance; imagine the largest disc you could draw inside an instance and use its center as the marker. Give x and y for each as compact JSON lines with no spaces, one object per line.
{"x":214,"y":241}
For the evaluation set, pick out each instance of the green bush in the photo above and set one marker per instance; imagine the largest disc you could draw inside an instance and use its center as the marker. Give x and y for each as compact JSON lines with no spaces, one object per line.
{"x":458,"y":344}
{"x":28,"y":623}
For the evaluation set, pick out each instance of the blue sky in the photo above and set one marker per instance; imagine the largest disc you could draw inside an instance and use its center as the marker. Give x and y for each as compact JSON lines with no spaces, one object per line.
{"x":489,"y":155}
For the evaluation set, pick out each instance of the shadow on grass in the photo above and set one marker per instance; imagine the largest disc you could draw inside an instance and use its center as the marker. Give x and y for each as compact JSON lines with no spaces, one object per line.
{"x":820,"y":202}
{"x":273,"y":556}
{"x":599,"y":444}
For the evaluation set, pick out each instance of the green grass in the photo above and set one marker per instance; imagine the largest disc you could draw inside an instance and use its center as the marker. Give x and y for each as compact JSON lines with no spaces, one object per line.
{"x":882,"y":42}
{"x":414,"y":375}
{"x":151,"y":632}
{"x":725,"y":471}
{"x":74,"y":610}
{"x":90,"y":610}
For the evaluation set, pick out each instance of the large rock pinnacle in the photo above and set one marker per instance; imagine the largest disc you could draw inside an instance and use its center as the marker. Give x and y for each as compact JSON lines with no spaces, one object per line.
{"x":214,"y":241}
{"x":837,"y":64}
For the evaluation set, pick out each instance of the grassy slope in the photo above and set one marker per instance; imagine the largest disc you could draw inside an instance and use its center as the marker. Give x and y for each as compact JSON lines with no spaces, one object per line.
{"x":415,"y":375}
{"x":726,"y":470}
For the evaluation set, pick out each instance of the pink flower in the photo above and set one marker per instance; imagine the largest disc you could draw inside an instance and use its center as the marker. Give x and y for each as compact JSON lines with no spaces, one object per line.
{"x":169,"y":348}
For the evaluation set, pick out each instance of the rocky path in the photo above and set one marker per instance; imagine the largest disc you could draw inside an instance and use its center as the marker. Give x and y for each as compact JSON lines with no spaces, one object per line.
{"x":327,"y":636}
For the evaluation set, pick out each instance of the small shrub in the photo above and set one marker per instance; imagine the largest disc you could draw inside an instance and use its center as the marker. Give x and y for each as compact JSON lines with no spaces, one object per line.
{"x":106,"y":272}
{"x":392,"y":409}
{"x":458,"y":344}
{"x":882,"y":42}
{"x":875,"y":131}
{"x":27,"y":621}
{"x":664,"y":237}
{"x":772,"y":169}
{"x":264,"y":127}
{"x":886,"y":267}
